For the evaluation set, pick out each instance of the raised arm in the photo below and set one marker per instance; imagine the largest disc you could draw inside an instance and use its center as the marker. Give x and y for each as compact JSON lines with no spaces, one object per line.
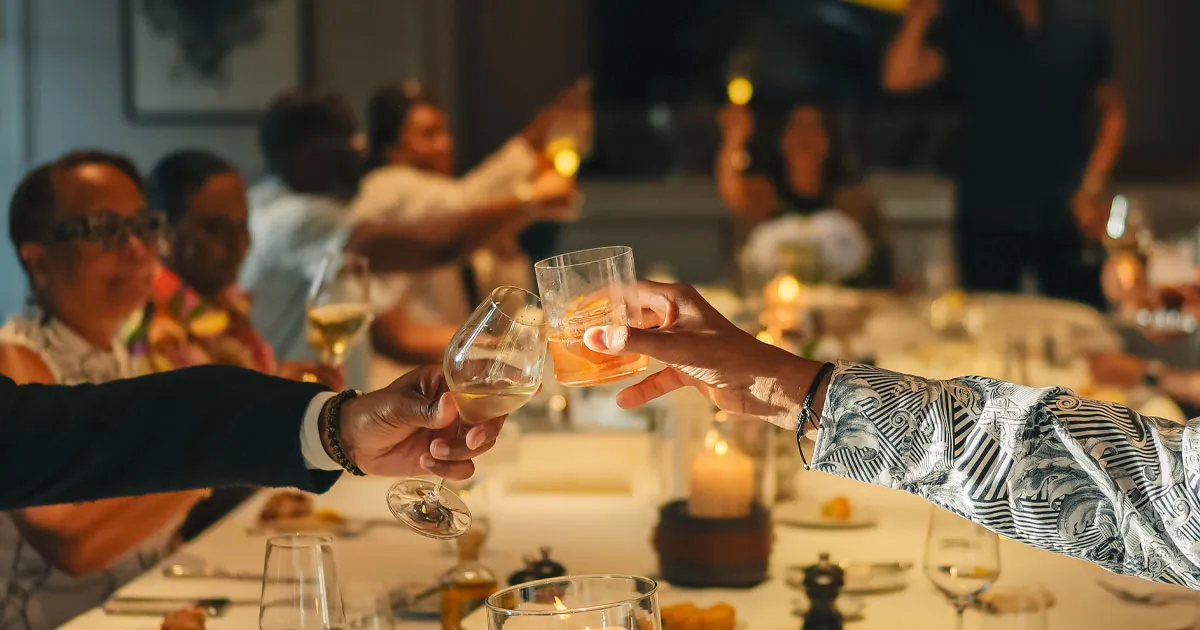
{"x":1092,"y":480}
{"x":414,"y":245}
{"x":749,"y":196}
{"x":193,"y":428}
{"x":1088,"y":479}
{"x":910,"y":62}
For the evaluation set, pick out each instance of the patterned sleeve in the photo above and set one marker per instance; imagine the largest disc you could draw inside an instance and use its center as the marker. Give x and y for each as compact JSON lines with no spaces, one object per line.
{"x":1092,"y":480}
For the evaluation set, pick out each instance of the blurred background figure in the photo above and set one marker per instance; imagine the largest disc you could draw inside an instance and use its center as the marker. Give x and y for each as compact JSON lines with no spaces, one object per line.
{"x":409,"y":179}
{"x":1043,"y":124}
{"x":199,"y":315}
{"x":301,"y":213}
{"x":793,"y":170}
{"x":89,"y":247}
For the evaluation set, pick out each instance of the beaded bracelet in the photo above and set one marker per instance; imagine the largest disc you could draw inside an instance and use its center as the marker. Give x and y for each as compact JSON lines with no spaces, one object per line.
{"x":806,"y":411}
{"x":333,"y":421}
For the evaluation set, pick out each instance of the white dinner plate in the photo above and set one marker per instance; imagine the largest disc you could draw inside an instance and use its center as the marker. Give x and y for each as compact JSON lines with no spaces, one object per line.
{"x":808,"y":514}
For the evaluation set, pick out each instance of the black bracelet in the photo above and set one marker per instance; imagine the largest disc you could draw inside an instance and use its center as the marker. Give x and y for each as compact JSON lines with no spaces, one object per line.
{"x":806,"y":411}
{"x":333,"y":421}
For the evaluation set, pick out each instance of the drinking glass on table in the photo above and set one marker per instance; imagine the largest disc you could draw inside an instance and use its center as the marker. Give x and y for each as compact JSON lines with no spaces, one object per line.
{"x":300,"y":588}
{"x":585,"y":601}
{"x":962,"y":559}
{"x":339,"y":306}
{"x":593,"y":287}
{"x":493,"y":365}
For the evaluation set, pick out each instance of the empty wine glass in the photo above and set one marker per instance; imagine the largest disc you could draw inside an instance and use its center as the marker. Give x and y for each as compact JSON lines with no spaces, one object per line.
{"x":339,"y":305}
{"x":962,"y":559}
{"x":493,"y":365}
{"x":300,"y":589}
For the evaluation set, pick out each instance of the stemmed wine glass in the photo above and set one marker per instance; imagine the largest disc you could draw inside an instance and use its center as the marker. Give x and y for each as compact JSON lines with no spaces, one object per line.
{"x":493,"y":366}
{"x":339,"y":305}
{"x":962,"y":559}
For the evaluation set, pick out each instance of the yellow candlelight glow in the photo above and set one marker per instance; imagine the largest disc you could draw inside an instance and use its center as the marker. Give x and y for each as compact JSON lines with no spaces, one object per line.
{"x":566,"y":162}
{"x":740,"y":90}
{"x":721,"y":447}
{"x":788,"y":289}
{"x":765,"y":337}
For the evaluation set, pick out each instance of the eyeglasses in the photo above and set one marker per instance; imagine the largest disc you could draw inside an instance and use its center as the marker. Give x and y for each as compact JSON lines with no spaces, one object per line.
{"x":111,"y":230}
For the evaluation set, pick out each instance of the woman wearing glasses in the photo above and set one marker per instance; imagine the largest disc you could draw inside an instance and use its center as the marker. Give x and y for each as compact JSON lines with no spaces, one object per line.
{"x":89,"y":248}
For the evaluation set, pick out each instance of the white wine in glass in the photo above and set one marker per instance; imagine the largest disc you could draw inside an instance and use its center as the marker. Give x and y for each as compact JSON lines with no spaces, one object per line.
{"x":339,"y":306}
{"x":962,"y":559}
{"x":493,"y":366}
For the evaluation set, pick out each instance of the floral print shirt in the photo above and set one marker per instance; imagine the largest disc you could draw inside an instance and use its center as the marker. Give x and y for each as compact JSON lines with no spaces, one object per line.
{"x":1092,"y":480}
{"x":182,"y":329}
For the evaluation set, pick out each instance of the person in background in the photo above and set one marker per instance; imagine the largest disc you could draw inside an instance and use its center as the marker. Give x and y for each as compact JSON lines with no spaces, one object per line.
{"x":1124,"y":371}
{"x":795,"y":175}
{"x":301,"y":212}
{"x":1093,"y":480}
{"x":198,"y":314}
{"x":1044,"y":121}
{"x":89,"y":247}
{"x":410,"y":166}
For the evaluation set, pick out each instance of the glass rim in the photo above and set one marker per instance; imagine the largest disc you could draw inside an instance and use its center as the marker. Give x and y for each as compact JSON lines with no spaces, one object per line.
{"x":492,"y":606}
{"x":537,"y":301}
{"x":289,"y":541}
{"x":619,"y":250}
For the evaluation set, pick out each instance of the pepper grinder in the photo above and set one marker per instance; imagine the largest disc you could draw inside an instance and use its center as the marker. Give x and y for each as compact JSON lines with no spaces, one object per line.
{"x":823,"y":582}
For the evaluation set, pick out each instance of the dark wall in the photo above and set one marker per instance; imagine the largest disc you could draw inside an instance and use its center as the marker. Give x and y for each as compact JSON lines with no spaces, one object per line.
{"x":1158,"y":61}
{"x":512,"y":58}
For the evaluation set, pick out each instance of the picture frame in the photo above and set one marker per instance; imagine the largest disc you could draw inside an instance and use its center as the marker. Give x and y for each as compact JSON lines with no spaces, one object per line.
{"x":267,"y":49}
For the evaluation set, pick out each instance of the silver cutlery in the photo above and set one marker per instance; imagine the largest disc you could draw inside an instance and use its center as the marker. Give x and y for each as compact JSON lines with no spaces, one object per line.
{"x":218,"y":573}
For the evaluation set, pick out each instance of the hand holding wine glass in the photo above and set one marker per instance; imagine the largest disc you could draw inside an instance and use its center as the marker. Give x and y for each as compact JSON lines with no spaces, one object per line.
{"x":492,"y":367}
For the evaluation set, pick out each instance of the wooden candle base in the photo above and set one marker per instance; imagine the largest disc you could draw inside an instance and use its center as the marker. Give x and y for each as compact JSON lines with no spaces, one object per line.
{"x":713,"y":552}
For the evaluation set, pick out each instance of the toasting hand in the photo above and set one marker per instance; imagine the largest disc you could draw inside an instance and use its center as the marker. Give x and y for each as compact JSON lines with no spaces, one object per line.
{"x":412,"y":427}
{"x":702,"y":349}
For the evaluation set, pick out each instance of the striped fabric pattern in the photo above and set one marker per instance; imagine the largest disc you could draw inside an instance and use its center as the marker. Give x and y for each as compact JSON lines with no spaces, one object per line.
{"x":1092,"y":480}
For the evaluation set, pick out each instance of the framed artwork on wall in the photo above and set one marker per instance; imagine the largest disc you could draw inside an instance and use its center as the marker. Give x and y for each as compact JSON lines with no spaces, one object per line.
{"x":215,"y":61}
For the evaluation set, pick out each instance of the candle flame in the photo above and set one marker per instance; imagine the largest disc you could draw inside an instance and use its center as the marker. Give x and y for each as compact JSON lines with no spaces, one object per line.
{"x":721,"y":447}
{"x":558,"y":605}
{"x":721,"y":416}
{"x":566,"y":162}
{"x":788,"y":289}
{"x":740,"y":90}
{"x":765,"y":337}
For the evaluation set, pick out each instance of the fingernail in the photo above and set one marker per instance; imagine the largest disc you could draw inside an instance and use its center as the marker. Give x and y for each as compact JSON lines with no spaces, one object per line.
{"x":474,"y":439}
{"x":427,"y":462}
{"x":440,"y":449}
{"x":613,"y":337}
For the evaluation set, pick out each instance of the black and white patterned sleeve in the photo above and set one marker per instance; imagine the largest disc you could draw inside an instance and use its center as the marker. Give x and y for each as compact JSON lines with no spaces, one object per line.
{"x":1088,"y":479}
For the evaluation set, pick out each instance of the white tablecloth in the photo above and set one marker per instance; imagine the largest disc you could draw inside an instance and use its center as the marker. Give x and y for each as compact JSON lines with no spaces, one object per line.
{"x":611,"y":534}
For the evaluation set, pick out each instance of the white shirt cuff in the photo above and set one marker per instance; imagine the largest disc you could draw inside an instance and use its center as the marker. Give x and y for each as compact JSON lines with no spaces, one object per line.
{"x":315,"y":456}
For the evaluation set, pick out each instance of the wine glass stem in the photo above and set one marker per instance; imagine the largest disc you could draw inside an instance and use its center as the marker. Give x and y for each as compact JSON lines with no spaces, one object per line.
{"x":959,"y":609}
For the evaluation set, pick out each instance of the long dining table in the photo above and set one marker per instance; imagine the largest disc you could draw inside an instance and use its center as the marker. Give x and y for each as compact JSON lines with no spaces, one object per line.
{"x":598,"y":533}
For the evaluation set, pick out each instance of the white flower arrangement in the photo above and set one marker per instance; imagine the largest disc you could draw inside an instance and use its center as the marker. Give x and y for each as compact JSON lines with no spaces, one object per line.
{"x":837,"y":239}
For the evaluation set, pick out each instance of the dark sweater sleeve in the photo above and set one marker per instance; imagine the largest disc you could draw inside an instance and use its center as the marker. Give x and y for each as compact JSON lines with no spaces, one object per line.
{"x":194,"y":428}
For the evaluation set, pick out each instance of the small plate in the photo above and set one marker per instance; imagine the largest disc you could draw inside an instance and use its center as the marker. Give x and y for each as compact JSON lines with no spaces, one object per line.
{"x":852,"y":608}
{"x":807,"y":514}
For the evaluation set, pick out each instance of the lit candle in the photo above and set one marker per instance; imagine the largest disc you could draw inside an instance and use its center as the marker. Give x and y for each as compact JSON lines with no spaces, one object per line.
{"x":722,"y":484}
{"x":740,"y":90}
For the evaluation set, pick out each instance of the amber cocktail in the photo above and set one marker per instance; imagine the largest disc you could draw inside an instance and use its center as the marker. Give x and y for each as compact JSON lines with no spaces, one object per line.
{"x":594,"y":287}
